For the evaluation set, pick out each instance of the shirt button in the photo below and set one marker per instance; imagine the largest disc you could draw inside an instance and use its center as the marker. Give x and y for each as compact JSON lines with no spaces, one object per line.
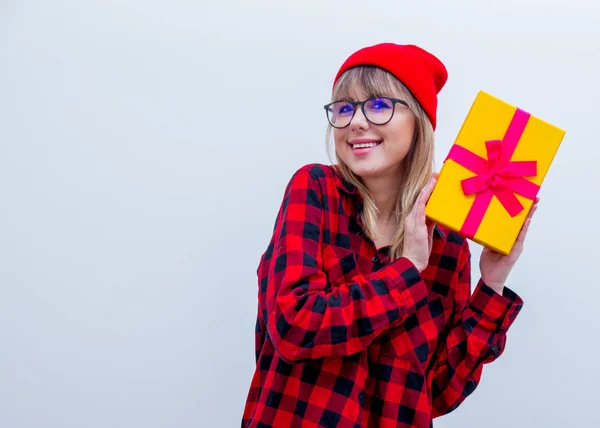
{"x":375,"y":259}
{"x":512,"y":316}
{"x":493,"y":348}
{"x":361,"y":397}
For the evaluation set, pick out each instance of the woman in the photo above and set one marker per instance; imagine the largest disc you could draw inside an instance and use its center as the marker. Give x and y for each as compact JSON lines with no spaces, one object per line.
{"x":365,"y":311}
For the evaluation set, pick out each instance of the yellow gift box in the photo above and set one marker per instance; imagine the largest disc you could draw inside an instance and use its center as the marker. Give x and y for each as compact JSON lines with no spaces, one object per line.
{"x":493,"y":172}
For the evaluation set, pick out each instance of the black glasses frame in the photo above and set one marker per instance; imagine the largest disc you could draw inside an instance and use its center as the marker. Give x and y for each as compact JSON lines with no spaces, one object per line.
{"x":362,"y":107}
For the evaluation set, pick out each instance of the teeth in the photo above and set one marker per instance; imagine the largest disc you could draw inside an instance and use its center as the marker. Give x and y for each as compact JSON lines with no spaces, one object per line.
{"x":364,"y":145}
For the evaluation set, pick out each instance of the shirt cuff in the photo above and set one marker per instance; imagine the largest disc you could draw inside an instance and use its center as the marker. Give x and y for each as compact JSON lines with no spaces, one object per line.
{"x":498,"y":312}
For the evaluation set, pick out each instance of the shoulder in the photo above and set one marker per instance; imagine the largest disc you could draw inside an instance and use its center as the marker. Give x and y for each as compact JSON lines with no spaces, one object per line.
{"x":316,"y":171}
{"x":315,"y":176}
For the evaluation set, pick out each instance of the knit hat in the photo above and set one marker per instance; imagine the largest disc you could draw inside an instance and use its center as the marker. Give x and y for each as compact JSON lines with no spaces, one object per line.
{"x":422,"y":73}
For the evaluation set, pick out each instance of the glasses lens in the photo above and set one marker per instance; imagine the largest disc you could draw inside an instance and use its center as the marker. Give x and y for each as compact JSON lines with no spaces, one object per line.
{"x":379,"y":110}
{"x":340,"y":114}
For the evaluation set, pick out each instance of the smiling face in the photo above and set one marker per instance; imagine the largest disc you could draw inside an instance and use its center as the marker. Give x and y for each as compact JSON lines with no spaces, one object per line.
{"x":367,"y":149}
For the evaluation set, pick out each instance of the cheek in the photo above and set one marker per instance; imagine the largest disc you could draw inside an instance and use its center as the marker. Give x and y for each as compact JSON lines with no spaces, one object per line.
{"x":400,"y":134}
{"x":339,"y":139}
{"x":337,"y":134}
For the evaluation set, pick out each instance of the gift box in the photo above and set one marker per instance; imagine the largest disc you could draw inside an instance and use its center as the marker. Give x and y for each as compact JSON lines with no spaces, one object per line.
{"x":493,"y":173}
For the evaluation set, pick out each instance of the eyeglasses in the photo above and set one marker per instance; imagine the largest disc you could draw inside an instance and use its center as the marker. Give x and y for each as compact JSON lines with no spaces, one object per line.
{"x":377,"y":110}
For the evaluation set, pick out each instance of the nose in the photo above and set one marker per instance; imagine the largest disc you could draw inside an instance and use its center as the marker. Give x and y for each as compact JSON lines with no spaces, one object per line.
{"x":359,"y":121}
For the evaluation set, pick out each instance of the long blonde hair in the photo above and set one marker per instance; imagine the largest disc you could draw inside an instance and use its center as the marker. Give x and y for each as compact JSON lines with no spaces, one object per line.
{"x":417,"y":166}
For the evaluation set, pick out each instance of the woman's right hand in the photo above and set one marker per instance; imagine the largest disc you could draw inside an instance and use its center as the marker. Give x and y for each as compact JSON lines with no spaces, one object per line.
{"x":418,"y":230}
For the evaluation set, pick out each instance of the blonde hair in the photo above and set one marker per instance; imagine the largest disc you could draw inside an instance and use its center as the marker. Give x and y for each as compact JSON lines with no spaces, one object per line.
{"x":418,"y":164}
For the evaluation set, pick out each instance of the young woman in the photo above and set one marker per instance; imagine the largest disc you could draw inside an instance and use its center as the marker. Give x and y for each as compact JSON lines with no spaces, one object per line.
{"x":365,"y":311}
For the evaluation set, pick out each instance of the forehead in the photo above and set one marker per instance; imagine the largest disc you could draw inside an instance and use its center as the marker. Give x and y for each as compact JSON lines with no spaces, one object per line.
{"x":362,"y":96}
{"x":356,"y":90}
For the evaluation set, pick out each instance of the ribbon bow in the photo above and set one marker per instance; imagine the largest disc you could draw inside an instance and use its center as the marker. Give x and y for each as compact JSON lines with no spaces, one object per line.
{"x":496,"y":175}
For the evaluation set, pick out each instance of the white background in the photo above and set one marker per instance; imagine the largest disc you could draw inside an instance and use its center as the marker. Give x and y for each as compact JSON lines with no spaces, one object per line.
{"x":144,"y":149}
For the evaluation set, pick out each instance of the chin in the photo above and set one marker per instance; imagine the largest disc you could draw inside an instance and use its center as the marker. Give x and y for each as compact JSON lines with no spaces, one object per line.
{"x":366,"y":169}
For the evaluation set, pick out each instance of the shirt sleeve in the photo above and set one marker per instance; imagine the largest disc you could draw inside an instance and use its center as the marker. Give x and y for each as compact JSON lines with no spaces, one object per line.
{"x":477,"y":337}
{"x":309,"y":319}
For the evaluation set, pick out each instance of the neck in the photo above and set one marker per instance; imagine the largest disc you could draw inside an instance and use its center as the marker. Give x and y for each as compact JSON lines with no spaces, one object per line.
{"x":384,"y":191}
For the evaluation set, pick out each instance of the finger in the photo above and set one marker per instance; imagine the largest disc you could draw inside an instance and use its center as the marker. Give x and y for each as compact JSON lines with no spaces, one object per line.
{"x":410,"y":223}
{"x":420,"y":199}
{"x":530,"y":214}
{"x":430,"y":186}
{"x":523,"y":232}
{"x":524,"y":229}
{"x":533,"y":210}
{"x":414,"y":212}
{"x":416,"y":218}
{"x":426,"y":193}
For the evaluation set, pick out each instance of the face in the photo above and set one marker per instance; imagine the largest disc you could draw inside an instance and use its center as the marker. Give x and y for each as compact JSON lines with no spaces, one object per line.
{"x":392,"y":142}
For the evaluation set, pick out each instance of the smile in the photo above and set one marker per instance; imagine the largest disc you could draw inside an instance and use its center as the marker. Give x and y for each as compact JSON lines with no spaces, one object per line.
{"x":364,"y":145}
{"x":360,"y":148}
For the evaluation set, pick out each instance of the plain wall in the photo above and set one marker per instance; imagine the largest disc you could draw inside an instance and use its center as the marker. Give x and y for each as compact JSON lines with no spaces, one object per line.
{"x":144,"y":150}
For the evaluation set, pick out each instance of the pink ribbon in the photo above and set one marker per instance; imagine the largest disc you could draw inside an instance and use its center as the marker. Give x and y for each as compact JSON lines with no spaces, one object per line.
{"x":496,"y":175}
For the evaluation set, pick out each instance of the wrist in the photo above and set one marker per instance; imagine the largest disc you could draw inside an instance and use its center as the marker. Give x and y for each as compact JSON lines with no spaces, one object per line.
{"x":498,"y":288}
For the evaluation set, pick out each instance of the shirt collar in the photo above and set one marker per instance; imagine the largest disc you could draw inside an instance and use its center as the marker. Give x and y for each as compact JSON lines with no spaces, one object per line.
{"x":350,"y":189}
{"x":343,"y":184}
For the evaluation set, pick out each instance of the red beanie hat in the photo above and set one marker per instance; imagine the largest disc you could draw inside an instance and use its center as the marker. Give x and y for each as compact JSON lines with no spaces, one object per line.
{"x":422,"y":73}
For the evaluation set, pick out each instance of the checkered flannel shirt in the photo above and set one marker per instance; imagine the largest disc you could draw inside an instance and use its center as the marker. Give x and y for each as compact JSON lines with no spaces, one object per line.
{"x":346,"y":337}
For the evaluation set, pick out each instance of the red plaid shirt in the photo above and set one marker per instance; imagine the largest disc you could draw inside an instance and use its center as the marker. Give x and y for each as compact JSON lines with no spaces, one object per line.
{"x":347,"y":338}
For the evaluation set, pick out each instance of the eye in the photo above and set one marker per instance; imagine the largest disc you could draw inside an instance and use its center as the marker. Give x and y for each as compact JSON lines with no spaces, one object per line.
{"x":341,"y":108}
{"x":380,"y":103}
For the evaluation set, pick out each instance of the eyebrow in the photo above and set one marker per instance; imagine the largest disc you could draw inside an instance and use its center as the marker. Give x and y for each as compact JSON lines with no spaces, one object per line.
{"x":353,"y":99}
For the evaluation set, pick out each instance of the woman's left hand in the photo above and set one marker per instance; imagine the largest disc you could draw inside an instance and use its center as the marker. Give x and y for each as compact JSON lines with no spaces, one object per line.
{"x":496,"y":267}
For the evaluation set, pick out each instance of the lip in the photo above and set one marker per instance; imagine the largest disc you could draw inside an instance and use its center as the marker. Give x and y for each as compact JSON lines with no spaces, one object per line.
{"x":363,"y":151}
{"x":363,"y":141}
